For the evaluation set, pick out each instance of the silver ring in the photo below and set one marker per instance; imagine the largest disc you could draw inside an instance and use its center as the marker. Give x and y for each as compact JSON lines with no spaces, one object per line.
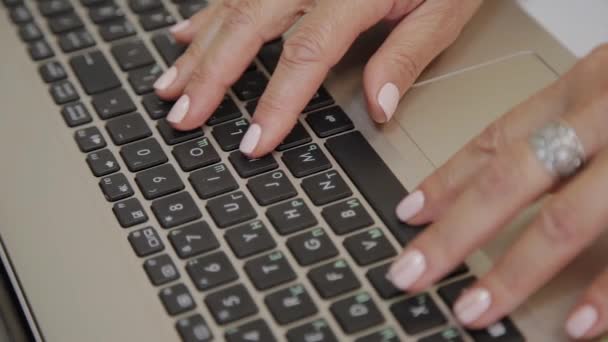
{"x":558,"y":148}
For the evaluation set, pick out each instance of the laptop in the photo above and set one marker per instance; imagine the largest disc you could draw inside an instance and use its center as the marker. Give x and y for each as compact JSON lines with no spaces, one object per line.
{"x":114,"y":227}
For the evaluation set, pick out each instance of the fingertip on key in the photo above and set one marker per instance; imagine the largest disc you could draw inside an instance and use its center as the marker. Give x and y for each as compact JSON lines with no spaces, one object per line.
{"x":251,"y":139}
{"x":179,"y":110}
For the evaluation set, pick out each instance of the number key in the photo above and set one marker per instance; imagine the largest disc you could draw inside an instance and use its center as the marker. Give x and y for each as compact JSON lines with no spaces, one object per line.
{"x":177,"y":299}
{"x":161,"y":269}
{"x":128,"y":128}
{"x":211,"y":271}
{"x":159,"y":181}
{"x":173,"y":136}
{"x":231,"y":304}
{"x":143,"y":154}
{"x":193,"y":239}
{"x":175,"y":210}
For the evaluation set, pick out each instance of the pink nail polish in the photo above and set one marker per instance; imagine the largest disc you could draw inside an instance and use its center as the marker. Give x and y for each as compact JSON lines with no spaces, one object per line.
{"x":581,"y":321}
{"x":407,"y":269}
{"x":179,"y":26}
{"x":179,"y":110}
{"x":388,"y":99}
{"x":251,"y":139}
{"x":166,"y":79}
{"x":410,"y":206}
{"x":472,"y":305}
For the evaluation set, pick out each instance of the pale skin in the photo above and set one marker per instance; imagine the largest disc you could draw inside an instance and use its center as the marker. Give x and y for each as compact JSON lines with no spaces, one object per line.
{"x":495,"y":176}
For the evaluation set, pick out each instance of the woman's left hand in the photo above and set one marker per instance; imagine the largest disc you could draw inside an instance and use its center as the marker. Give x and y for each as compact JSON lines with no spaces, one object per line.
{"x":503,"y":171}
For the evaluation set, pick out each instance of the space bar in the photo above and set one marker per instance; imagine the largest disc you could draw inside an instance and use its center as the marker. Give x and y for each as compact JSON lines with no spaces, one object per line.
{"x":374,"y":180}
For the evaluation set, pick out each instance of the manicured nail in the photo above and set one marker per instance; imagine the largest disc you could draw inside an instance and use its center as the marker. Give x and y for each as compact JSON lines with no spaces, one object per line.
{"x":410,"y":206}
{"x":581,"y":321}
{"x":388,"y":99}
{"x":472,"y":305}
{"x":166,"y":79}
{"x":179,"y":26}
{"x":251,"y":138}
{"x":407,"y":269}
{"x":179,"y":110}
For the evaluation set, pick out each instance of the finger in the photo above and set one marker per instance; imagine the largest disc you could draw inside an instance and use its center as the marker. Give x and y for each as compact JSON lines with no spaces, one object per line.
{"x":412,"y":45}
{"x":185,"y":31}
{"x":589,"y":318}
{"x":322,"y":38}
{"x":441,"y":189}
{"x":247,"y":25}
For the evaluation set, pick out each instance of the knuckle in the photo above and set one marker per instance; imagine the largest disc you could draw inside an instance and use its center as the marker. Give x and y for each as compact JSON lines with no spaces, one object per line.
{"x":240,"y":13}
{"x":271,"y":103}
{"x":303,"y":48}
{"x":407,"y":65}
{"x":558,"y":222}
{"x":491,"y":140}
{"x":501,"y":176}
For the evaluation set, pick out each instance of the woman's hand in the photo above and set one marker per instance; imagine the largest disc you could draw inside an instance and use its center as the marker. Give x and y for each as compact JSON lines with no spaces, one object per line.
{"x":498,"y":174}
{"x":225,"y":37}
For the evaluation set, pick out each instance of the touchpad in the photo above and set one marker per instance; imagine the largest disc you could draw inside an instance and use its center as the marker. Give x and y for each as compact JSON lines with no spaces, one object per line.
{"x":442,"y":114}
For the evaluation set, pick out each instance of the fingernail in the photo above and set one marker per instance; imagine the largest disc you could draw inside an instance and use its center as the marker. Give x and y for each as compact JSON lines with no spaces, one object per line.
{"x":251,"y":138}
{"x":472,"y":305}
{"x":388,"y":99}
{"x":407,"y":269}
{"x":179,"y":26}
{"x":581,"y":321}
{"x":179,"y":110}
{"x":410,"y":206}
{"x":166,"y":79}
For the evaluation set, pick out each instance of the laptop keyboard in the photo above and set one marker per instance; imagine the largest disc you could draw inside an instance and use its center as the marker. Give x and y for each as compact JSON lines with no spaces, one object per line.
{"x":309,"y":230}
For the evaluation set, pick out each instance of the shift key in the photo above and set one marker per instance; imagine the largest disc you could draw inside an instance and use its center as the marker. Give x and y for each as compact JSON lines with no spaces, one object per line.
{"x":94,"y":72}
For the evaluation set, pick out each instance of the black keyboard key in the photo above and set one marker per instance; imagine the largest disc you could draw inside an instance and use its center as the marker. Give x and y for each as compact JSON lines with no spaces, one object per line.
{"x":168,"y":48}
{"x":212,"y":181}
{"x":270,"y":54}
{"x":290,"y":304}
{"x":250,"y":86}
{"x":159,"y":181}
{"x":176,"y":210}
{"x":227,"y":110}
{"x":155,"y":107}
{"x":106,"y":12}
{"x":145,"y":242}
{"x":298,"y":136}
{"x":94,"y":72}
{"x":329,"y":122}
{"x":326,"y":187}
{"x":143,"y":154}
{"x":142,"y":79}
{"x":63,"y":92}
{"x":194,"y":329}
{"x":128,"y":128}
{"x":229,"y":135}
{"x":211,"y":271}
{"x":369,"y":247}
{"x":76,"y":114}
{"x":173,"y":136}
{"x":113,"y":103}
{"x":231,"y":304}
{"x":140,"y":6}
{"x":116,"y":29}
{"x":374,"y":180}
{"x":195,"y":154}
{"x":40,"y":50}
{"x":447,"y":335}
{"x":319,"y":100}
{"x":251,"y":107}
{"x":312,"y":247}
{"x":356,"y":313}
{"x":129,"y":213}
{"x":89,"y":139}
{"x":503,"y":331}
{"x":347,"y":216}
{"x":156,"y":19}
{"x":12,"y":3}
{"x":65,"y":23}
{"x":177,"y":299}
{"x":269,"y":270}
{"x":188,"y":9}
{"x":161,"y":270}
{"x":417,"y":314}
{"x":252,"y":331}
{"x":377,"y":276}
{"x":291,"y":216}
{"x":384,"y":335}
{"x":231,"y":209}
{"x":52,"y":71}
{"x":75,"y":40}
{"x":317,"y":331}
{"x":30,"y":32}
{"x":451,"y":292}
{"x":92,"y":3}
{"x":334,"y":279}
{"x":193,"y":239}
{"x":249,"y":239}
{"x":306,"y":160}
{"x":131,"y":55}
{"x":50,"y":8}
{"x":20,"y":14}
{"x":250,"y":167}
{"x":115,"y":187}
{"x":460,"y":270}
{"x":271,"y":188}
{"x":102,"y":163}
